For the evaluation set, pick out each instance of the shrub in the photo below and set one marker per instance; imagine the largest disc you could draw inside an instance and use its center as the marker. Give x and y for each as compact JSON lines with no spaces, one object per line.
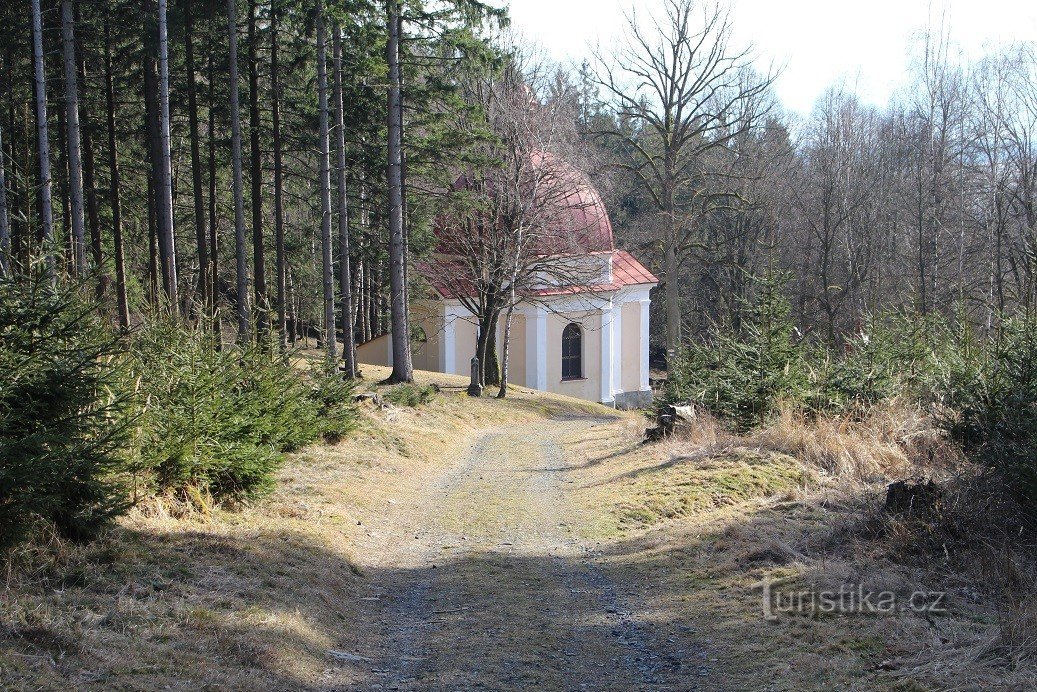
{"x":891,"y":355}
{"x":219,"y":421}
{"x":742,"y":376}
{"x":410,"y":394}
{"x":988,"y":389}
{"x":62,"y":418}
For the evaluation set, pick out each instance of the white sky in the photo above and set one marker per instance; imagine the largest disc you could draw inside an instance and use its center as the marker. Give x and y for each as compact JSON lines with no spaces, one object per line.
{"x":864,"y":44}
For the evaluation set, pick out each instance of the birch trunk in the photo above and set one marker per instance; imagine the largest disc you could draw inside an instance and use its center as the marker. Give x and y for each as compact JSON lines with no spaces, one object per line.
{"x":46,"y":204}
{"x":325,"y":188}
{"x":239,"y":201}
{"x":402,"y":367}
{"x":345,"y":276}
{"x":506,"y":347}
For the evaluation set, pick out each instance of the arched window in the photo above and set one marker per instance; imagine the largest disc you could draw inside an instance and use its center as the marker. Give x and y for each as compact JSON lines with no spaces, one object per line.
{"x":572,"y":352}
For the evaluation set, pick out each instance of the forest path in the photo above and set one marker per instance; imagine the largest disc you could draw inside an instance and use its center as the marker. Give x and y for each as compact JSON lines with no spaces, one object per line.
{"x":482,"y":580}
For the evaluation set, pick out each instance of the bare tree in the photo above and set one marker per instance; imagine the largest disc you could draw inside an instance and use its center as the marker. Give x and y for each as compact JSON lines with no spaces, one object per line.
{"x":684,"y":92}
{"x":519,"y":227}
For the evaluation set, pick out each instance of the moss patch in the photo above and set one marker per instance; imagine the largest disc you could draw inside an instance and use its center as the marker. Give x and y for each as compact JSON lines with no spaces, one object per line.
{"x":686,"y":486}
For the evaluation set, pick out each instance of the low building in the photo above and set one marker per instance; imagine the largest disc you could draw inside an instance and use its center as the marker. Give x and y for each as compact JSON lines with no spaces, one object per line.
{"x":589,"y":342}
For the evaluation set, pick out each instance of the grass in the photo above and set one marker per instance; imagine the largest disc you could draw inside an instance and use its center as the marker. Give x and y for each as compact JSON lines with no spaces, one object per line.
{"x":707,"y":517}
{"x":688,"y":485}
{"x":257,"y":598}
{"x":249,"y":599}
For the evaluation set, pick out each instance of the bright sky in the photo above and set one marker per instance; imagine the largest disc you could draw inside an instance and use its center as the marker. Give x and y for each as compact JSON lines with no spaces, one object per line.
{"x":864,"y":44}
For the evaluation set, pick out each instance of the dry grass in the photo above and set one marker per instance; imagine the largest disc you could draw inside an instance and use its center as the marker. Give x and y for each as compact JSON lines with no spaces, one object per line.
{"x":185,"y":594}
{"x":816,"y":523}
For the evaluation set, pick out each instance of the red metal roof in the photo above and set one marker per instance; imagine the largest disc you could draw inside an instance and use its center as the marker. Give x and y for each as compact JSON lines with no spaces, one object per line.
{"x":626,"y":271}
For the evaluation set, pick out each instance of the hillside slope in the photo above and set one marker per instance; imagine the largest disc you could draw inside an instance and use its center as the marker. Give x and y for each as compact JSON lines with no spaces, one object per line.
{"x":530,"y":543}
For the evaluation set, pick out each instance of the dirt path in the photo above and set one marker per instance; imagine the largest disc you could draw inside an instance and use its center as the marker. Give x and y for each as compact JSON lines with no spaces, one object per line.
{"x":482,"y":581}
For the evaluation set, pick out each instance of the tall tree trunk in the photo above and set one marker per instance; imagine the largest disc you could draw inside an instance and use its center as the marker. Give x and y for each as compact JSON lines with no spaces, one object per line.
{"x":345,"y":277}
{"x":402,"y":366}
{"x":5,"y":224}
{"x":72,"y":138}
{"x":325,"y":187}
{"x":113,"y":165}
{"x":46,"y":206}
{"x":403,"y":159}
{"x":256,"y":179}
{"x":672,"y":293}
{"x":16,"y":227}
{"x":275,"y":87}
{"x":157,"y":95}
{"x":164,"y":191}
{"x":153,"y":269}
{"x":506,"y":346}
{"x":214,"y":248}
{"x":201,"y":240}
{"x":61,"y":183}
{"x":239,"y":202}
{"x":93,"y":220}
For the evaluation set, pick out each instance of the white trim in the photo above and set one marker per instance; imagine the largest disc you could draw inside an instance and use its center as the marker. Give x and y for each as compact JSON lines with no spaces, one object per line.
{"x":644,"y":344}
{"x":617,"y":347}
{"x":606,"y":354}
{"x":449,"y":341}
{"x":536,"y":348}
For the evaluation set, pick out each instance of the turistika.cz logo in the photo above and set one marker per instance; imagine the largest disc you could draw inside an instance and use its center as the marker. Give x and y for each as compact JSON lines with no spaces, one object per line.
{"x":847,"y":599}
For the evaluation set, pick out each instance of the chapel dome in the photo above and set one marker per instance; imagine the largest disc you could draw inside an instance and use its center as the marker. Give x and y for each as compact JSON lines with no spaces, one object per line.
{"x":578,"y":219}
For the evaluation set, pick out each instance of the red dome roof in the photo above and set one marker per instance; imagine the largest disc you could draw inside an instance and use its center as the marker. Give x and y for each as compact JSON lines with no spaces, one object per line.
{"x":576,"y":219}
{"x":581,"y":214}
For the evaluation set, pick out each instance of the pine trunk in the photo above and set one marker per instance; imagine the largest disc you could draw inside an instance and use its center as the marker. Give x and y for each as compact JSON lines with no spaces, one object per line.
{"x":256,"y":179}
{"x":72,"y":139}
{"x":5,"y":224}
{"x":402,"y":367}
{"x":275,"y":86}
{"x":201,"y":240}
{"x":239,"y":202}
{"x":93,"y":220}
{"x":214,"y":249}
{"x":325,"y":188}
{"x":164,"y":184}
{"x":46,"y":206}
{"x":345,"y":276}
{"x":114,"y":201}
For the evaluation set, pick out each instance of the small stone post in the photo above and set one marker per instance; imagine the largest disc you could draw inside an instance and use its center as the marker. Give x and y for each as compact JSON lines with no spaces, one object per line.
{"x":475,"y":389}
